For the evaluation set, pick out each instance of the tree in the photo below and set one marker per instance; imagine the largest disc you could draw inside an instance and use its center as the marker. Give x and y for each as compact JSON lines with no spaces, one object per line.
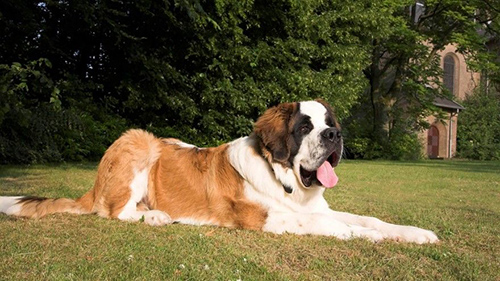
{"x":76,"y":73}
{"x":197,"y":70}
{"x":404,"y":74}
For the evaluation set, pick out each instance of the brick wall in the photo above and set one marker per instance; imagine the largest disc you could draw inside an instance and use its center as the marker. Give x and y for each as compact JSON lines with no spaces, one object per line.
{"x":465,"y":83}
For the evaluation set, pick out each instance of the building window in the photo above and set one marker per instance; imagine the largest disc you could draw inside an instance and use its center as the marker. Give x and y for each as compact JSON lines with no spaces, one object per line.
{"x":449,"y":73}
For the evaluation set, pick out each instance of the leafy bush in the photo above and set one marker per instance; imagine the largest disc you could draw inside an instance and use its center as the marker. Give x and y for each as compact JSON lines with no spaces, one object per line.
{"x":397,"y":141}
{"x":34,"y":125}
{"x":76,"y":74}
{"x":401,"y":147}
{"x":478,"y":135}
{"x":405,"y":146}
{"x":57,"y":135}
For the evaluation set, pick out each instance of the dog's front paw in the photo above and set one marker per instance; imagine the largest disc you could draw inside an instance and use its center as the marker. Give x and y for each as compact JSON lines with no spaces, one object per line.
{"x":157,"y":218}
{"x":414,"y":235}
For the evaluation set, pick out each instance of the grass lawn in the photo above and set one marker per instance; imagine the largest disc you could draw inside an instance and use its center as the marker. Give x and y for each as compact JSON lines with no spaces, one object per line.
{"x":459,"y":200}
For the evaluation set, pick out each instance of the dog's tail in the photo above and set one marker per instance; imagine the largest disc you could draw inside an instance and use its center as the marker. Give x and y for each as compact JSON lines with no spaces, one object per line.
{"x":37,"y":207}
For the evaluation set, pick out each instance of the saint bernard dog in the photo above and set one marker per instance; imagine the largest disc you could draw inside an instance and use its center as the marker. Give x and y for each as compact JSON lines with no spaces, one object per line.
{"x":272,"y":180}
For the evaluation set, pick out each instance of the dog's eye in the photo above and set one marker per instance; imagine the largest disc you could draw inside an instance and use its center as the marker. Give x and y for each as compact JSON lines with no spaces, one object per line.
{"x":304,"y":129}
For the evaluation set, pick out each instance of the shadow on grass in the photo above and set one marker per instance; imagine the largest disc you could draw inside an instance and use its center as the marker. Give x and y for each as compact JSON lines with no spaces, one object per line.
{"x":455,"y":165}
{"x":18,"y":180}
{"x":22,"y":170}
{"x":480,"y":213}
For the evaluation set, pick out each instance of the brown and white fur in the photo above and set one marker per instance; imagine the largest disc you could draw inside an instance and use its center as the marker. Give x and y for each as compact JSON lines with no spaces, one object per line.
{"x":265,"y":181}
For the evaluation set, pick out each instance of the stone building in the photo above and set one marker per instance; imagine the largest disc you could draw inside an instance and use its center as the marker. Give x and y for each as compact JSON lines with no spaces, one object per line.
{"x":440,"y":140}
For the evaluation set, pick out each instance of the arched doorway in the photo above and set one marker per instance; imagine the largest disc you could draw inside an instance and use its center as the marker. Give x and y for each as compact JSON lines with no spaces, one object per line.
{"x":433,"y":142}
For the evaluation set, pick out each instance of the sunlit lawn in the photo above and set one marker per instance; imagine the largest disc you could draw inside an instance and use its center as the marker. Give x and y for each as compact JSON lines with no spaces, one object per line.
{"x":459,"y":200}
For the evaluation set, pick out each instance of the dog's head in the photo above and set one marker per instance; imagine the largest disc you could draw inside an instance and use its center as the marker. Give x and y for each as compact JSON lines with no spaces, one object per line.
{"x":304,"y":137}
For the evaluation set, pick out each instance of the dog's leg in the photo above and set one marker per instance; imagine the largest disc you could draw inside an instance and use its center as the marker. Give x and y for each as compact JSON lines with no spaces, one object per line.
{"x":317,"y":224}
{"x":134,"y":211}
{"x":391,"y":231}
{"x":152,"y":217}
{"x":130,"y":208}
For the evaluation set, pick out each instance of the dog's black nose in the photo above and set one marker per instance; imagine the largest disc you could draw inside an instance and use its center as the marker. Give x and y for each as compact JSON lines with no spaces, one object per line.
{"x":331,"y":134}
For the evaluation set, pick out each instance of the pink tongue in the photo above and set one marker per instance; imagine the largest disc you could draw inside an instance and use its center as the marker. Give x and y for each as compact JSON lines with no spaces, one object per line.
{"x":326,"y":175}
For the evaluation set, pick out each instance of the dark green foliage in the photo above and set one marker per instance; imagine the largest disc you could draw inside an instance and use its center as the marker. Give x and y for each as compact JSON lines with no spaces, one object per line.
{"x":479,"y":127}
{"x":401,"y":144}
{"x":75,"y":74}
{"x":35,"y":126}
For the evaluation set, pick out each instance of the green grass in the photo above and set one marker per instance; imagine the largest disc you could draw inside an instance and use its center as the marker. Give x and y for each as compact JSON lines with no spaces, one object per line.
{"x":459,"y":200}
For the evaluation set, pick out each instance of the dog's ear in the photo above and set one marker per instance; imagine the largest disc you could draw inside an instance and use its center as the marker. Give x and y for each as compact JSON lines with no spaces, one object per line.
{"x":324,"y":103}
{"x":330,"y":112}
{"x":273,"y":129}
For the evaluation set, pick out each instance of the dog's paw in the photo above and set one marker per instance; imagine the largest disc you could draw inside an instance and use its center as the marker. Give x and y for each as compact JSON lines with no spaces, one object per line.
{"x":157,"y":218}
{"x":414,"y":235}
